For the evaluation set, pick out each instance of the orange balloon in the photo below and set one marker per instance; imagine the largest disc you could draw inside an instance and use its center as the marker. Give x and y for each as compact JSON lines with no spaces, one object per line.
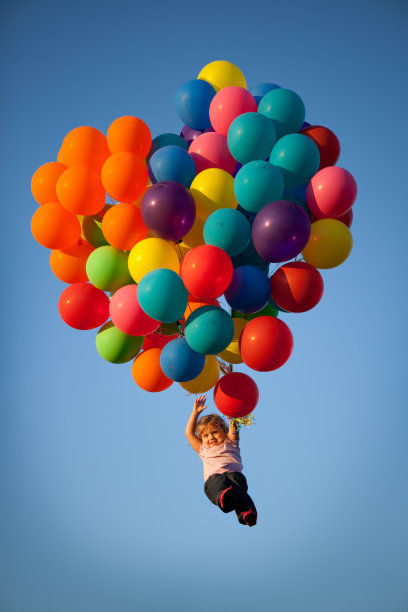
{"x":124,"y":176}
{"x":54,"y":227}
{"x":123,"y":226}
{"x":194,"y":303}
{"x":129,"y":134}
{"x":44,"y":182}
{"x":147,"y":372}
{"x":69,"y":265}
{"x":84,"y":146}
{"x":80,"y":191}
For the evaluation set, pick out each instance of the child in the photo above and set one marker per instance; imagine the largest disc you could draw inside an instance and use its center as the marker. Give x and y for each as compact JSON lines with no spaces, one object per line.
{"x":225,"y":485}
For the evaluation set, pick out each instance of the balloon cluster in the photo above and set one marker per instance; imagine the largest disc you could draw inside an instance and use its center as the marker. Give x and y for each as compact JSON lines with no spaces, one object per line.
{"x":175,"y":268}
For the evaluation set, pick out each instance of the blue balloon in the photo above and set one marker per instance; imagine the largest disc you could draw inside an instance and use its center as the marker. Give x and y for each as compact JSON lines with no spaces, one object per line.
{"x":172,"y":163}
{"x":209,"y":330}
{"x":228,"y":229}
{"x":164,"y":140}
{"x":285,"y":108}
{"x":249,"y":289}
{"x":257,"y":184}
{"x":179,"y":362}
{"x":192,"y":101}
{"x":251,"y":136}
{"x":297,"y":157}
{"x":260,"y":90}
{"x":162,"y":295}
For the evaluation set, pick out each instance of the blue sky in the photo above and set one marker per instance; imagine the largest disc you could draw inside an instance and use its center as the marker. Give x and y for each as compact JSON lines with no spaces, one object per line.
{"x":102,"y":502}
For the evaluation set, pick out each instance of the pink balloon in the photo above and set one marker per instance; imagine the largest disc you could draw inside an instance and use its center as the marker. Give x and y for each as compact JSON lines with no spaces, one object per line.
{"x":127,"y":315}
{"x":228,"y":104}
{"x":210,"y":150}
{"x":331,"y":193}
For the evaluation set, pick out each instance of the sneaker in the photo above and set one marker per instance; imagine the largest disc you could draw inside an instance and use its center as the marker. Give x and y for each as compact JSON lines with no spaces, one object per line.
{"x":227,"y":500}
{"x":248,"y":518}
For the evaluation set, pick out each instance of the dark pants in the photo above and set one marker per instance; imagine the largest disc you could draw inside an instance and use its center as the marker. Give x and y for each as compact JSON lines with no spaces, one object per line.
{"x":216,"y":483}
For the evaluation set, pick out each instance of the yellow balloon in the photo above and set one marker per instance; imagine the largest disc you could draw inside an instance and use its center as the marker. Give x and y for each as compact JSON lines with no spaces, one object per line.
{"x":329,"y":245}
{"x":222,"y":74}
{"x":195,"y":236}
{"x":232,"y":354}
{"x":206,"y":379}
{"x":150,"y":254}
{"x":212,"y":189}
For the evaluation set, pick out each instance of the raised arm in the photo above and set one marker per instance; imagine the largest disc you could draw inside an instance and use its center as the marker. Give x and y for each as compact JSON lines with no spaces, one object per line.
{"x":233,"y":431}
{"x":199,"y":406}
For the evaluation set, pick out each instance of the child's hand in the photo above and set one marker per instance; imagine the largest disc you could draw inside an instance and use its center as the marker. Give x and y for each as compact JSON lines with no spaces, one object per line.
{"x":199,"y":404}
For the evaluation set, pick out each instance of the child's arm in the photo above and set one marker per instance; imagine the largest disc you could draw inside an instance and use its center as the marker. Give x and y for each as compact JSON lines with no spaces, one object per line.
{"x":233,"y":431}
{"x":194,"y":440}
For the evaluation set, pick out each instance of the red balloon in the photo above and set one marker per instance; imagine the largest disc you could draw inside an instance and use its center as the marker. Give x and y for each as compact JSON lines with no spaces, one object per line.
{"x":331,"y":192}
{"x":327,"y":143}
{"x":156,"y":340}
{"x":236,"y":394}
{"x":127,"y":315}
{"x":347,"y":218}
{"x":297,"y":286}
{"x":210,"y":150}
{"x":83,"y":306}
{"x":228,"y":104}
{"x":265,"y":344}
{"x":206,"y":271}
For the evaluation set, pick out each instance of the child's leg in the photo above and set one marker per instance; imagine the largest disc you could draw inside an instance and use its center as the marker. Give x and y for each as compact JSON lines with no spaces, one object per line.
{"x":245,"y":507}
{"x":221,"y":492}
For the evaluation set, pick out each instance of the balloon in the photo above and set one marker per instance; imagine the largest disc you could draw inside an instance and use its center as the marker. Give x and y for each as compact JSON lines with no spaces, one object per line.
{"x":179,"y":362}
{"x":206,"y":379}
{"x":213,"y":189}
{"x":150,"y":254}
{"x":222,"y":74}
{"x":192,"y":101}
{"x":54,"y":227}
{"x":168,"y":210}
{"x":297,"y":157}
{"x":188,"y":134}
{"x":194,"y":303}
{"x":285,"y":108}
{"x":163,"y":140}
{"x":250,"y":257}
{"x":172,"y":163}
{"x":249,"y":289}
{"x":231,"y":354}
{"x":236,"y":395}
{"x":210,"y":150}
{"x":297,"y":286}
{"x":107,"y":268}
{"x":84,"y":146}
{"x":347,"y":218}
{"x":44,"y":181}
{"x":124,"y":176}
{"x":228,"y":104}
{"x":83,"y":306}
{"x":270,"y":310}
{"x":227,"y":229}
{"x":156,"y":340}
{"x":162,"y":295}
{"x":331,"y":192}
{"x":147,"y":373}
{"x":80,"y":191}
{"x":69,"y":265}
{"x":194,"y":237}
{"x":123,"y":226}
{"x":327,"y":143}
{"x":206,"y":271}
{"x":209,"y":330}
{"x":115,"y":346}
{"x":259,"y":91}
{"x":129,"y":134}
{"x":280,"y":231}
{"x":266,"y":343}
{"x":127,"y":315}
{"x":251,"y":137}
{"x":256,"y":184}
{"x":329,"y":245}
{"x":92,"y":227}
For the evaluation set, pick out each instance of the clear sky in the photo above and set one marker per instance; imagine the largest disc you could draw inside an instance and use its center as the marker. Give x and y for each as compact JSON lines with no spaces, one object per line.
{"x":102,"y":503}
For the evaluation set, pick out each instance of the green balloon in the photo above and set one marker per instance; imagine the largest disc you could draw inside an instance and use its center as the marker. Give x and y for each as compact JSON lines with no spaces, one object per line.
{"x":107,"y":268}
{"x":115,"y":346}
{"x":267,"y":311}
{"x":92,"y":228}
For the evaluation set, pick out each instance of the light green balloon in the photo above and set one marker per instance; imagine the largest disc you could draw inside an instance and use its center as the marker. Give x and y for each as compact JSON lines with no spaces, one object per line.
{"x":115,"y":346}
{"x":107,"y":268}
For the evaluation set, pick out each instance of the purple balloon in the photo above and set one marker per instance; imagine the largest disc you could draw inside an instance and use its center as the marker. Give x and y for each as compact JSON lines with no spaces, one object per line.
{"x":168,"y":210}
{"x":280,"y":231}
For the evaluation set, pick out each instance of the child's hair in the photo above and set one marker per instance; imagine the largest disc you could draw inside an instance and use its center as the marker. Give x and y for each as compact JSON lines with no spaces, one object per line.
{"x":211,"y":419}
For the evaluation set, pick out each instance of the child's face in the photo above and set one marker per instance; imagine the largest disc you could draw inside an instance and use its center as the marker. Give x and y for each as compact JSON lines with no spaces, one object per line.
{"x":213,"y":435}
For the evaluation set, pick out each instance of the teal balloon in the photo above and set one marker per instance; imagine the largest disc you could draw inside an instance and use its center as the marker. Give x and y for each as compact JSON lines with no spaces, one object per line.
{"x":256,"y":184}
{"x":251,"y":136}
{"x":285,"y":108}
{"x":115,"y":346}
{"x":209,"y":330}
{"x":228,"y":229}
{"x":250,"y":257}
{"x":162,"y":295}
{"x":107,"y":268}
{"x":164,"y":140}
{"x":297,"y":157}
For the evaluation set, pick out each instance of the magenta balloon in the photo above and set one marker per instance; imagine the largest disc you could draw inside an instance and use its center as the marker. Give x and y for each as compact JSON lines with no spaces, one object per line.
{"x":280,"y":231}
{"x":168,"y":210}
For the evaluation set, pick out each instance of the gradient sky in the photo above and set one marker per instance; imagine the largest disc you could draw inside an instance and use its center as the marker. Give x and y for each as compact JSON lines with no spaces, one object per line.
{"x":102,"y":503}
